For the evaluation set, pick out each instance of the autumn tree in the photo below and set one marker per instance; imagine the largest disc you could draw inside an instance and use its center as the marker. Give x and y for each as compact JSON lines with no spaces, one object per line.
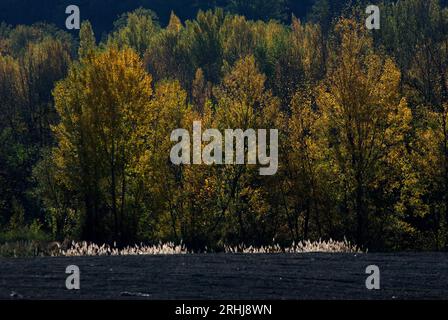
{"x":296,"y":56}
{"x":100,"y":104}
{"x":201,"y":91}
{"x":365,"y":123}
{"x":362,"y":120}
{"x":159,"y":193}
{"x":243,"y":102}
{"x":169,"y":57}
{"x":415,"y":32}
{"x":299,"y":194}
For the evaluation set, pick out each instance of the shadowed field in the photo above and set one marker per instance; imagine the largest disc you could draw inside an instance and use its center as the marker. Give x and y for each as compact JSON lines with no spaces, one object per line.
{"x":229,"y":276}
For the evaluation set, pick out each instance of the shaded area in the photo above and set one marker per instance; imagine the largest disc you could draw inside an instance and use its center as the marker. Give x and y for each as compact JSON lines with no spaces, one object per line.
{"x":228,"y":276}
{"x":102,"y":13}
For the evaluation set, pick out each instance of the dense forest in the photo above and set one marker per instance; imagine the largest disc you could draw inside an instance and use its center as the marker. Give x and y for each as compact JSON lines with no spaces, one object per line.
{"x":86,"y":117}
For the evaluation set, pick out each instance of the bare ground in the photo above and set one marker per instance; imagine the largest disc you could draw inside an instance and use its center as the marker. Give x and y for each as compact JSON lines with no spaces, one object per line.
{"x":228,"y":276}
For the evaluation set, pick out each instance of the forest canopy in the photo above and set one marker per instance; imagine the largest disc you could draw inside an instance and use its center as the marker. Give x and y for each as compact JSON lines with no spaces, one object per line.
{"x":362,"y":116}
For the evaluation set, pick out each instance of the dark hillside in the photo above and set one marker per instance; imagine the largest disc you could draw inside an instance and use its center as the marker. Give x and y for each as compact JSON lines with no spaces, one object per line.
{"x":102,"y":13}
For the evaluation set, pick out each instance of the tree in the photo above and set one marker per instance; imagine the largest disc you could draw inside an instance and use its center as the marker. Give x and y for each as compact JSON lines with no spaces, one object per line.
{"x":14,"y":157}
{"x":26,"y":80}
{"x":239,"y":39}
{"x":100,"y":104}
{"x":42,"y":65}
{"x":204,"y":40}
{"x":365,"y":123}
{"x":87,"y":42}
{"x":136,"y":30}
{"x":200,"y":91}
{"x":243,"y":102}
{"x":415,"y":32}
{"x":300,"y":194}
{"x":170,"y":55}
{"x":159,"y":192}
{"x":297,"y":57}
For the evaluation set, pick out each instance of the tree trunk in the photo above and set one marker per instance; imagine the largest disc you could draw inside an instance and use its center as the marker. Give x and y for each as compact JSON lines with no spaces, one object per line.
{"x":360,"y":214}
{"x":306,"y":222}
{"x":113,"y":191}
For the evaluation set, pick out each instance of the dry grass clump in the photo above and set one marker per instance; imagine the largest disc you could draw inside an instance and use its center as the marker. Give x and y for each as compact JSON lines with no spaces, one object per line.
{"x":330,"y":246}
{"x":78,"y":249}
{"x":91,"y":249}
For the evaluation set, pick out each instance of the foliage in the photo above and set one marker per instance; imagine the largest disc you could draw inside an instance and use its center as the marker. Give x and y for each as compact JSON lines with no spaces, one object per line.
{"x":362,"y":118}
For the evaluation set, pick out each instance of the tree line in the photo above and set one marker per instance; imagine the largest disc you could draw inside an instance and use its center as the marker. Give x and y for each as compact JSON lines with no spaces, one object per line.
{"x":362,"y":120}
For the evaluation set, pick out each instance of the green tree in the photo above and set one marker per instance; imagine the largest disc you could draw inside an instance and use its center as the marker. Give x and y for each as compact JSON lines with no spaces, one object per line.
{"x":14,"y":157}
{"x":136,"y":30}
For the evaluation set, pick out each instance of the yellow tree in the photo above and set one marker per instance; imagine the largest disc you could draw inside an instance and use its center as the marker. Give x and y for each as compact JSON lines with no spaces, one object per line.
{"x":244,"y":103}
{"x":160,"y":187}
{"x":426,"y":193}
{"x":365,"y":122}
{"x":103,"y":100}
{"x":300,"y":188}
{"x":200,"y":90}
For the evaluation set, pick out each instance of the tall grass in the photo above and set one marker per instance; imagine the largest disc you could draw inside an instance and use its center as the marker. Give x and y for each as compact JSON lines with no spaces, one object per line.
{"x":81,"y":249}
{"x":330,"y":246}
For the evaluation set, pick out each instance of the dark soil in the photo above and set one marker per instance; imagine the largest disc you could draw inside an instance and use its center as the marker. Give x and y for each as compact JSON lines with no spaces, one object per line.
{"x":228,"y":276}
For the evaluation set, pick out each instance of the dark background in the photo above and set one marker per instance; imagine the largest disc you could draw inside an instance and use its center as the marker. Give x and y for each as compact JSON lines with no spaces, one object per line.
{"x":102,"y":13}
